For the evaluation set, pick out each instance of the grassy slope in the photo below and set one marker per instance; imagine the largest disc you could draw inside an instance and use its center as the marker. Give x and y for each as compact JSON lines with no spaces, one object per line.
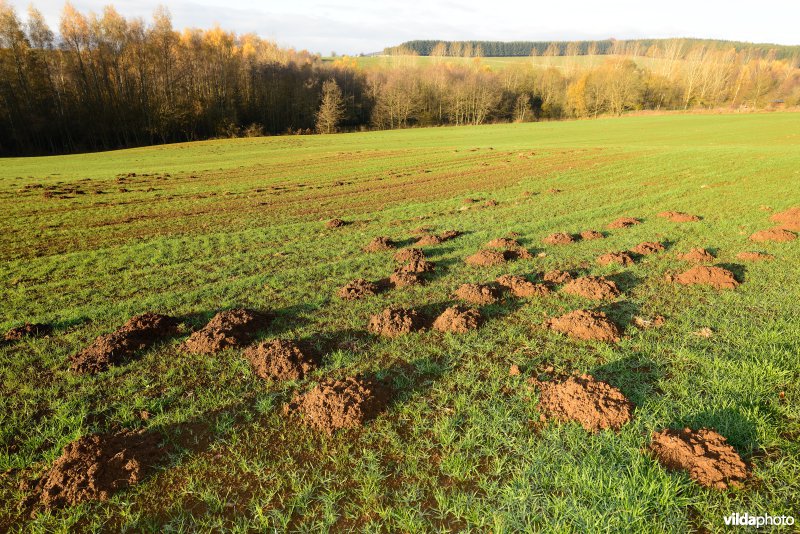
{"x":239,"y":223}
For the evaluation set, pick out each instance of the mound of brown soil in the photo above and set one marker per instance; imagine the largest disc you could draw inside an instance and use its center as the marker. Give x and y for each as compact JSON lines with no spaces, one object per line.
{"x":754,"y":256}
{"x":447,"y":235}
{"x":394,"y":321}
{"x":514,"y":248}
{"x":592,"y":403}
{"x":588,"y":235}
{"x":620,"y":258}
{"x":457,"y":319}
{"x":335,"y":223}
{"x":358,"y":288}
{"x":409,"y":254}
{"x":279,"y":359}
{"x":433,"y":239}
{"x":336,"y":404}
{"x":230,"y":328}
{"x":140,"y":332}
{"x":490,"y":203}
{"x":416,"y":266}
{"x":28,"y":330}
{"x":789,"y":219}
{"x":94,"y":467}
{"x":647,"y":248}
{"x":586,"y":324}
{"x":379,"y":244}
{"x":623,"y":222}
{"x":477,"y":293}
{"x":592,"y":287}
{"x":678,"y":216}
{"x":705,"y":454}
{"x":559,"y":238}
{"x":697,"y":255}
{"x":486,"y":258}
{"x":779,"y":235}
{"x":522,"y":287}
{"x":557,"y":277}
{"x":403,"y":279}
{"x":716,"y":277}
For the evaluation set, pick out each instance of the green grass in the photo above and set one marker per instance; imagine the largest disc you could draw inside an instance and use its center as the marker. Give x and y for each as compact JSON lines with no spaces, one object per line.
{"x":240,"y":223}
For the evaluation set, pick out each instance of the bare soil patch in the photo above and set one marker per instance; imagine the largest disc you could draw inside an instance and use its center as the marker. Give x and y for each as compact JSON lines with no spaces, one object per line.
{"x":778,"y":235}
{"x":643,"y":323}
{"x":434,"y":239}
{"x":478,"y":293}
{"x":379,"y":244}
{"x":404,"y":279}
{"x":335,"y":223}
{"x":704,"y":454}
{"x":754,"y":256}
{"x":458,"y":320}
{"x":557,"y":277}
{"x":357,"y":289}
{"x":586,"y":324}
{"x":588,"y":235}
{"x":486,"y":258}
{"x":623,"y":222}
{"x":230,"y":328}
{"x":139,"y":333}
{"x":789,"y":219}
{"x":697,"y":255}
{"x":716,"y":277}
{"x":559,"y":238}
{"x":647,"y":248}
{"x":395,"y":321}
{"x":592,"y":287}
{"x":280,"y":359}
{"x":416,"y":266}
{"x":619,"y":258}
{"x":514,"y":248}
{"x":594,"y":404}
{"x":28,"y":330}
{"x":678,"y":216}
{"x":522,"y":287}
{"x":409,"y":254}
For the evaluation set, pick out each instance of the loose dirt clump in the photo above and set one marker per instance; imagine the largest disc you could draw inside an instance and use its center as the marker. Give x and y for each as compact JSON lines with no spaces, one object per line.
{"x":394,"y":321}
{"x":279,"y":359}
{"x":477,"y":293}
{"x":779,"y":235}
{"x":447,"y":235}
{"x":230,"y":328}
{"x":521,"y":287}
{"x":594,"y":404}
{"x":697,"y":255}
{"x":28,"y":330}
{"x":789,"y":219}
{"x":485,"y":258}
{"x":94,"y":467}
{"x":557,"y":277}
{"x":512,"y":246}
{"x":678,"y":216}
{"x":647,"y":248}
{"x":619,"y":258}
{"x":403,"y":279}
{"x":139,"y":333}
{"x":559,"y":238}
{"x":409,"y":254}
{"x":379,"y":244}
{"x":586,"y":324}
{"x":592,"y":287}
{"x":335,"y":223}
{"x":754,"y":256}
{"x":457,"y":319}
{"x":705,"y":454}
{"x":588,"y":235}
{"x":416,"y":266}
{"x":716,"y":277}
{"x":337,"y":404}
{"x":644,"y":323}
{"x":433,"y":239}
{"x":358,"y":288}
{"x":623,"y":222}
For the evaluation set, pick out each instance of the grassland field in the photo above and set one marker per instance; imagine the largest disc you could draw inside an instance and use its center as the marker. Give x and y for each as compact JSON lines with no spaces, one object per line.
{"x":212,"y":225}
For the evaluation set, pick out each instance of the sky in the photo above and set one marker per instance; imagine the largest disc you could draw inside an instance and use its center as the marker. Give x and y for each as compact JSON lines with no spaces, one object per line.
{"x":355,"y":26}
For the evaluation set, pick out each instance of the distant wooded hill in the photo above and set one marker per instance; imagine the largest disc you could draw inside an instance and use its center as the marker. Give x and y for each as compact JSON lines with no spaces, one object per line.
{"x":573,"y":48}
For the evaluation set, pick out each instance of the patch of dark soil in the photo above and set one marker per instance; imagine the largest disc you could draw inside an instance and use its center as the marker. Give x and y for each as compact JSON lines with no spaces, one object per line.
{"x":697,"y":255}
{"x":477,"y":293}
{"x":28,"y":330}
{"x":588,"y":235}
{"x":395,"y":321}
{"x":338,"y":404}
{"x":592,"y":287}
{"x":594,"y":404}
{"x":623,"y":222}
{"x":458,"y":319}
{"x":648,"y":247}
{"x":716,"y":277}
{"x":489,"y":257}
{"x":619,"y":258}
{"x":280,"y":359}
{"x":586,"y":324}
{"x":559,"y":238}
{"x":755,"y":256}
{"x":704,"y":454}
{"x":335,"y":223}
{"x":409,"y":254}
{"x":678,"y":216}
{"x":380,"y":244}
{"x":404,"y":279}
{"x":522,"y":287}
{"x":778,"y":235}
{"x":94,"y":467}
{"x":230,"y":328}
{"x":357,"y":289}
{"x":139,"y":333}
{"x":789,"y":219}
{"x":417,"y":266}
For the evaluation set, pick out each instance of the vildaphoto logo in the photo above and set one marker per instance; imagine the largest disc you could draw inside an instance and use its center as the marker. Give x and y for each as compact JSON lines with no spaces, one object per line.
{"x":747,"y":520}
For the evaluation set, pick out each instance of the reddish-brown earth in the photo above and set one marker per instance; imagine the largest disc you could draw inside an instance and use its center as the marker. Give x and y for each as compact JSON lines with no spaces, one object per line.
{"x":559,"y":238}
{"x":409,"y":254}
{"x":586,"y":324}
{"x":280,"y":359}
{"x":647,"y":248}
{"x":592,"y":287}
{"x":227,"y":329}
{"x":337,"y":404}
{"x":592,"y":403}
{"x":515,"y":249}
{"x":140,"y":332}
{"x":477,"y":293}
{"x":394,"y":321}
{"x":623,"y":222}
{"x":644,"y":323}
{"x":522,"y":287}
{"x":716,"y":277}
{"x":697,"y":255}
{"x":404,"y":279}
{"x":789,"y":219}
{"x":557,"y":277}
{"x":379,"y":244}
{"x":358,"y":288}
{"x":416,"y":266}
{"x":457,"y":319}
{"x":486,"y":258}
{"x":28,"y":330}
{"x":704,"y":454}
{"x":433,"y":239}
{"x":754,"y":256}
{"x":588,"y":235}
{"x":619,"y":258}
{"x":678,"y":216}
{"x":778,"y":235}
{"x":335,"y":223}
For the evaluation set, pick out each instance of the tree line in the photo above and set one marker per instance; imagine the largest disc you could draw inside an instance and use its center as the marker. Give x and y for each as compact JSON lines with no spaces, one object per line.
{"x":109,"y":82}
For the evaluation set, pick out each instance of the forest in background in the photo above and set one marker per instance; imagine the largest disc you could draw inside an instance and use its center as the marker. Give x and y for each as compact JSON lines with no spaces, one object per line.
{"x":103,"y":82}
